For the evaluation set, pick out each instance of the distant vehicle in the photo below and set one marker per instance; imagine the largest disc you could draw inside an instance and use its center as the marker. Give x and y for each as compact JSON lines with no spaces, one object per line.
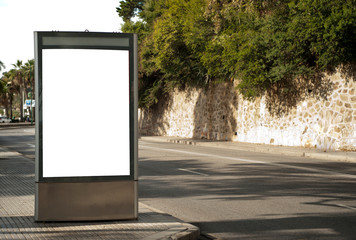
{"x":5,"y":120}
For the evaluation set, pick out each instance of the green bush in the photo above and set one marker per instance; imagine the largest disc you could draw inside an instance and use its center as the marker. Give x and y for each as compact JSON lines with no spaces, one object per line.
{"x":269,"y":45}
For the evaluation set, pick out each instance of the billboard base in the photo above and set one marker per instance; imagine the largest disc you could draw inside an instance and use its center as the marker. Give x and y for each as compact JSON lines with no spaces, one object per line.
{"x":86,"y":201}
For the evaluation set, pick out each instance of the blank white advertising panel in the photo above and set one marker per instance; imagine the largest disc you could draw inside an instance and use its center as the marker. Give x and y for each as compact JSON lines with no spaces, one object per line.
{"x":85,"y":112}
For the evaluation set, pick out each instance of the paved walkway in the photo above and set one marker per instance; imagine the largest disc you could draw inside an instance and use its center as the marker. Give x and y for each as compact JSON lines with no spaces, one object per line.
{"x":17,"y":189}
{"x":252,"y":147}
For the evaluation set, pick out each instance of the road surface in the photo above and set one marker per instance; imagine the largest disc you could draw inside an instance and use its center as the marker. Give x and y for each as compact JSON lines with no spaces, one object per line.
{"x":243,"y":195}
{"x":239,"y":195}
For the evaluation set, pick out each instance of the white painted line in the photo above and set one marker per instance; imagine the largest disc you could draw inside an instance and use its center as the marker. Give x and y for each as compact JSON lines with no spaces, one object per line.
{"x":145,"y":143}
{"x":330,"y":173}
{"x":345,"y":206}
{"x":204,"y":154}
{"x":31,"y":145}
{"x":31,"y":131}
{"x":144,"y":160}
{"x":191,"y":171}
{"x":9,"y":154}
{"x":315,"y":170}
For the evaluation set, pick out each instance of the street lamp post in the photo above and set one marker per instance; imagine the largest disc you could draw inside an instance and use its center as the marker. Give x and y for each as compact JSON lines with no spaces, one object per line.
{"x":30,"y":94}
{"x":31,"y":104}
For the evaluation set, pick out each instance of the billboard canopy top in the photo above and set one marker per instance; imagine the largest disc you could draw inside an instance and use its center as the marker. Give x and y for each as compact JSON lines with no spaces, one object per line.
{"x":85,"y":40}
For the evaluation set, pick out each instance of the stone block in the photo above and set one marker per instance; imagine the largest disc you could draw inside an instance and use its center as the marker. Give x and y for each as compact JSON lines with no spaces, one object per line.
{"x":337,"y":129}
{"x":348,"y":119}
{"x":344,"y":97}
{"x":317,"y":107}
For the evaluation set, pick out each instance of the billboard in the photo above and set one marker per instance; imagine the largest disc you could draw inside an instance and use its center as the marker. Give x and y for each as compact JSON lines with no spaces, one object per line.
{"x":81,"y":138}
{"x":86,"y":93}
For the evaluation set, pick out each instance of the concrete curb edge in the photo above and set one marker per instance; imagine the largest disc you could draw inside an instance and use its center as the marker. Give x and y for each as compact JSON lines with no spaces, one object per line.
{"x":179,"y":231}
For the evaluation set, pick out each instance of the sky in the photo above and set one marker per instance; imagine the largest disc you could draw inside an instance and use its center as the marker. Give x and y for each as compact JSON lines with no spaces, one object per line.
{"x":20,"y":18}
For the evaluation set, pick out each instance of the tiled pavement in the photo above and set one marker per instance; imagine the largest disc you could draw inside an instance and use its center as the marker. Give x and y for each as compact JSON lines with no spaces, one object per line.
{"x":17,"y":189}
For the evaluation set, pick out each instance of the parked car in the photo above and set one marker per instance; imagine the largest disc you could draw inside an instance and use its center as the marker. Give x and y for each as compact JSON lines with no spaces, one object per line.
{"x":5,"y":120}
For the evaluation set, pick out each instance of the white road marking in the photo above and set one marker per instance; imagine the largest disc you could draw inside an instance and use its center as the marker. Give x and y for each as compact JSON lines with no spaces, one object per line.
{"x":191,"y":171}
{"x":30,"y":131}
{"x":145,"y":143}
{"x":253,"y":161}
{"x":314,"y":170}
{"x":345,"y":206}
{"x":31,"y":145}
{"x":204,"y":155}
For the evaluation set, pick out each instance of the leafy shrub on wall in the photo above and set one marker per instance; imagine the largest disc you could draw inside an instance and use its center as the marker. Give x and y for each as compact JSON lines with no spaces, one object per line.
{"x":280,"y":49}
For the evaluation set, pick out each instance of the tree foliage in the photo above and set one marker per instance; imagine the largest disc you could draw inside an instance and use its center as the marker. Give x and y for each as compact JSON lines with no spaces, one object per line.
{"x":129,"y":8}
{"x":269,"y":45}
{"x":2,"y":65}
{"x":16,"y":82}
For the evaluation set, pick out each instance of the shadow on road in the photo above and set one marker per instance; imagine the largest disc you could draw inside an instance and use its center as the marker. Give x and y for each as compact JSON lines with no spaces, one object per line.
{"x":250,"y":184}
{"x":324,"y":226}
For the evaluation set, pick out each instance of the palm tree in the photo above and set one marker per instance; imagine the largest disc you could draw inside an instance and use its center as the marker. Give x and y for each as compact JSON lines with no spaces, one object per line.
{"x":3,"y":102}
{"x":28,"y":73}
{"x":19,"y":80}
{"x":2,"y":65}
{"x":7,"y":91}
{"x":15,"y":82}
{"x":2,"y":86}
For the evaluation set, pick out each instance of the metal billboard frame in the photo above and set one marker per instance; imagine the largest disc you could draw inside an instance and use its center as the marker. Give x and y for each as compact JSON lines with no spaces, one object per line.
{"x":95,"y":41}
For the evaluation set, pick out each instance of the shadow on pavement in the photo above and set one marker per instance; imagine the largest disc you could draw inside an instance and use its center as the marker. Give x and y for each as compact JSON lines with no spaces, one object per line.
{"x":247,"y":185}
{"x":299,"y":227}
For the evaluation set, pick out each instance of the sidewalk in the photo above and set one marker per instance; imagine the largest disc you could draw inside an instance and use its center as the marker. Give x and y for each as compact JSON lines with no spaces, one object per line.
{"x":262,"y":148}
{"x":17,"y":190}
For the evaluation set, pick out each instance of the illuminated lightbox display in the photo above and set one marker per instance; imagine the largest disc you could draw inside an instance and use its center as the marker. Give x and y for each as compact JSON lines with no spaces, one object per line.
{"x":87,"y":99}
{"x":85,"y":112}
{"x":86,"y":126}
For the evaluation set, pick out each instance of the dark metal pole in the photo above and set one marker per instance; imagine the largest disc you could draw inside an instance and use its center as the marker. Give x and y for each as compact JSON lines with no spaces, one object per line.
{"x":31,"y":101}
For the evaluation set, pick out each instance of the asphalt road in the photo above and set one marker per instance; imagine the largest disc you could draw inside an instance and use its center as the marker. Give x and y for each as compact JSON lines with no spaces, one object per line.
{"x":239,"y":195}
{"x":243,"y":195}
{"x":19,"y":139}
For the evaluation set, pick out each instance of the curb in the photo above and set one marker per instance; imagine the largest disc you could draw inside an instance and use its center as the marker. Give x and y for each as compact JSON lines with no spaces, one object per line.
{"x":190,"y":233}
{"x":183,"y":231}
{"x":345,"y":157}
{"x":10,"y":125}
{"x":178,"y":231}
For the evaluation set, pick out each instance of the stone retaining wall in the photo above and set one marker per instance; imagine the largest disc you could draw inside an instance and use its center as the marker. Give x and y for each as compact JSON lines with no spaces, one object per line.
{"x":220,"y":113}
